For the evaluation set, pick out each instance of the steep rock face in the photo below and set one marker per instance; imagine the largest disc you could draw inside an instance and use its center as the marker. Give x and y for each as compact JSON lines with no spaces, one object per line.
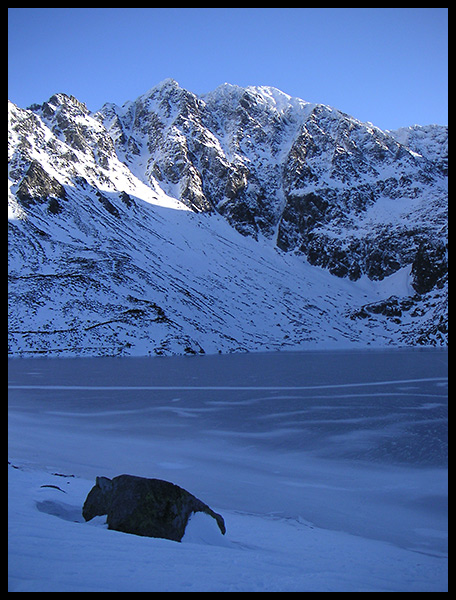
{"x":358,"y":180}
{"x":221,"y":152}
{"x":295,"y":172}
{"x":117,"y":244}
{"x":430,"y":141}
{"x":39,"y":187}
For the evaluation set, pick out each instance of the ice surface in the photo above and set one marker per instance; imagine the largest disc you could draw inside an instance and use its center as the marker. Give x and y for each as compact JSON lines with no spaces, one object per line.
{"x":329,"y":468}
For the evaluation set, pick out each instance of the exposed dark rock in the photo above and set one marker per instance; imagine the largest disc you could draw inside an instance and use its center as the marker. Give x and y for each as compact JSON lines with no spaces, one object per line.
{"x":38,"y":187}
{"x":107,"y":204}
{"x":391,"y":307}
{"x":430,"y":266}
{"x":126,"y":199}
{"x":147,"y":507}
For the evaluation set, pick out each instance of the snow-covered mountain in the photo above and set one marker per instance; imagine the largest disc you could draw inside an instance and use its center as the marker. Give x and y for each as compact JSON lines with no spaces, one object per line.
{"x":243,"y":219}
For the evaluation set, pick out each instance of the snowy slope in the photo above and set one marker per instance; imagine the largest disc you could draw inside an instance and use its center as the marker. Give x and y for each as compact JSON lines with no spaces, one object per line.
{"x":190,"y":225}
{"x":53,"y":550}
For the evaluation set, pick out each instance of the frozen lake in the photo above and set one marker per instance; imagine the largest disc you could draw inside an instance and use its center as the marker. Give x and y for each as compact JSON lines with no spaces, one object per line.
{"x":348,"y":441}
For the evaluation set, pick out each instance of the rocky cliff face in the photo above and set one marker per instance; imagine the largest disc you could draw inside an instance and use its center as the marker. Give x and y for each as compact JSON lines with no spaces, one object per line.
{"x":347,"y":195}
{"x":301,"y":182}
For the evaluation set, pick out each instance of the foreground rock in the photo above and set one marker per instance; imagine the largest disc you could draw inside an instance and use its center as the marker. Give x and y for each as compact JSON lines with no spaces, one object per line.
{"x":148,"y":507}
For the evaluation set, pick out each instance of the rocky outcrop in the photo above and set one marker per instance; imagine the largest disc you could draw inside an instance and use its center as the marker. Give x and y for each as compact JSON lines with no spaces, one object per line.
{"x":37,"y":186}
{"x":147,"y":507}
{"x":430,"y":266}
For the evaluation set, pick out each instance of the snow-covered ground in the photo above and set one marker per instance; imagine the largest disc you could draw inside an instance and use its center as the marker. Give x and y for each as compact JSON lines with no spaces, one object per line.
{"x":328,"y":467}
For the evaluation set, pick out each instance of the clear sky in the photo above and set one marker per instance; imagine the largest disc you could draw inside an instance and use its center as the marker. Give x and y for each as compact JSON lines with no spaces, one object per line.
{"x":384,"y":65}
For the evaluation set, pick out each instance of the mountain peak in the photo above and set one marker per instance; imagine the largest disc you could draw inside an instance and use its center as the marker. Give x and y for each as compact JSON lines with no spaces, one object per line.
{"x":168,"y":85}
{"x":66,"y":101}
{"x":272,"y":96}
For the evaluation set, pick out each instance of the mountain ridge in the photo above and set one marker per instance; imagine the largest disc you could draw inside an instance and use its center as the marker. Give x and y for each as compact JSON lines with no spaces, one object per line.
{"x":263,"y":185}
{"x":314,"y":193}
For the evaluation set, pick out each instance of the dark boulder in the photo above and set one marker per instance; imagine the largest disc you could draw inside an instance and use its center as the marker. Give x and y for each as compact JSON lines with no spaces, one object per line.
{"x":148,"y":507}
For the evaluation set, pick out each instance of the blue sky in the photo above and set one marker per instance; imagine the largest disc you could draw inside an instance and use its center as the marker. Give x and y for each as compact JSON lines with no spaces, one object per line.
{"x":384,"y":65}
